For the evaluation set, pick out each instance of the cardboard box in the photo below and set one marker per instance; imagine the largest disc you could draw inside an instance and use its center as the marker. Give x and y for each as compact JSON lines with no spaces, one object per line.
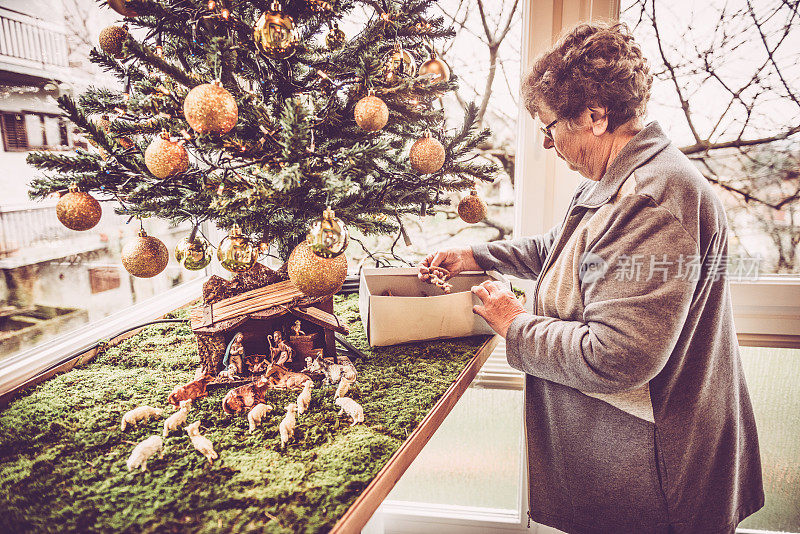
{"x":417,"y":311}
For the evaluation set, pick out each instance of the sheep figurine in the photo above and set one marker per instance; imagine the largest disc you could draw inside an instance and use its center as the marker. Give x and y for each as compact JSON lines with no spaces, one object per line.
{"x":143,"y":451}
{"x":255,"y":415}
{"x":201,"y":443}
{"x":353,"y":409}
{"x":342,"y":388}
{"x":178,"y":418}
{"x":287,"y":425}
{"x":137,"y":414}
{"x":304,"y":398}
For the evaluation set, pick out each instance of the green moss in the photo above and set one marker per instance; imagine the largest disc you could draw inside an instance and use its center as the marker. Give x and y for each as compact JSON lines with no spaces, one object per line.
{"x":62,"y":453}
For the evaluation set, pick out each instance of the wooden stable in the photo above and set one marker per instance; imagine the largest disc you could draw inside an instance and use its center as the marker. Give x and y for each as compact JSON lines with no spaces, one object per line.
{"x":259,"y":311}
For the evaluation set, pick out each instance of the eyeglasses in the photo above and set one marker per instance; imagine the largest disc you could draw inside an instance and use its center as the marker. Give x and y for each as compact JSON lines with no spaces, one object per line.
{"x":546,"y":130}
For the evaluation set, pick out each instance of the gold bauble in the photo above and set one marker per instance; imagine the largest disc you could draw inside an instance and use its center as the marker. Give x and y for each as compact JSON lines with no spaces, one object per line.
{"x":145,"y":256}
{"x":274,"y":33}
{"x":125,"y":142}
{"x":104,"y":124}
{"x":328,"y":236}
{"x":121,"y":7}
{"x":319,"y":6}
{"x":371,"y":113}
{"x":315,"y":276}
{"x":434,"y":65}
{"x":193,"y":254}
{"x":78,"y":210}
{"x":335,"y":38}
{"x":164,"y":157}
{"x":427,"y":154}
{"x":210,"y":108}
{"x":472,"y":208}
{"x":111,"y":39}
{"x":236,"y":253}
{"x":397,"y":64}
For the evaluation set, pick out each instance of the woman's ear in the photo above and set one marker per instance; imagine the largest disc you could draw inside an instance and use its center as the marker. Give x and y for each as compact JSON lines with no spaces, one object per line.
{"x":598,"y":117}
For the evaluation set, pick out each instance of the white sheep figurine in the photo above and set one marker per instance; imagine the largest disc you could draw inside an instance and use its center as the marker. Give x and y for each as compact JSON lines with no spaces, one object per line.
{"x":353,"y":409}
{"x":255,"y":415}
{"x":137,"y":414}
{"x":342,"y":388}
{"x":178,"y":418}
{"x":143,"y":451}
{"x":287,"y":425}
{"x":304,"y":398}
{"x":201,"y":443}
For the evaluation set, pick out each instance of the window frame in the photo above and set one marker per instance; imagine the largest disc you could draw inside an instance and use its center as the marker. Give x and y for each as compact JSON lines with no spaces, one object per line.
{"x":62,"y":129}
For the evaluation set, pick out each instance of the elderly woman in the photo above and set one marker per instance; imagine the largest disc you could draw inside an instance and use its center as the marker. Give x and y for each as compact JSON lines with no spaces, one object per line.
{"x":637,"y":414}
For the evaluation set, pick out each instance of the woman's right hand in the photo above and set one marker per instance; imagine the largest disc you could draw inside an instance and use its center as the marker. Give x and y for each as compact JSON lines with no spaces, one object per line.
{"x":455,"y":260}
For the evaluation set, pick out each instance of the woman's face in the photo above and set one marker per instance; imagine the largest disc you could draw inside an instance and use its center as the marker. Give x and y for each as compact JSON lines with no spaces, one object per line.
{"x":580,"y":147}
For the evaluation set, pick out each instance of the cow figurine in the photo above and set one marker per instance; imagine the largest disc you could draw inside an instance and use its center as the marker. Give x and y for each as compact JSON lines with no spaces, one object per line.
{"x":334,"y":371}
{"x":194,"y":390}
{"x":279,"y":377}
{"x":246,"y":396}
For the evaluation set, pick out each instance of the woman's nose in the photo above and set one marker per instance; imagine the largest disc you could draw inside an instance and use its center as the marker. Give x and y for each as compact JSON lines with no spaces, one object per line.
{"x":547,"y":143}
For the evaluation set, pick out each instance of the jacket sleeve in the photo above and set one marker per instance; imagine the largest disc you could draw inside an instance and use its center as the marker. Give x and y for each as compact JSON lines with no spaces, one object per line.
{"x":631,"y":321}
{"x":522,"y":257}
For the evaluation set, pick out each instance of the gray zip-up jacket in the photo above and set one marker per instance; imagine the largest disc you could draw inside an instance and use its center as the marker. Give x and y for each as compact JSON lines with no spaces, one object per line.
{"x":638,"y":417}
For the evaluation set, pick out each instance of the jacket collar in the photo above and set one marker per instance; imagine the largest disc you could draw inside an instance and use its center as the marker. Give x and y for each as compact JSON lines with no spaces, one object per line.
{"x":640,"y":149}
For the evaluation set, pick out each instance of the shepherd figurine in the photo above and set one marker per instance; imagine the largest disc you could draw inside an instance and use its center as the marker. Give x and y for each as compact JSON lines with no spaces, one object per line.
{"x":279,"y":349}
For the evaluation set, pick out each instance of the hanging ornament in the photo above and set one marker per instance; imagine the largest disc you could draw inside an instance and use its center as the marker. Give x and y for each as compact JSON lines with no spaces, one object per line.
{"x":121,"y":7}
{"x":125,"y":142}
{"x":145,"y":256}
{"x":315,"y":276}
{"x":193,"y":253}
{"x":111,"y":39}
{"x":472,"y":208}
{"x":335,"y":38}
{"x":434,"y":65}
{"x":319,"y":6}
{"x":78,"y":210}
{"x":104,"y":124}
{"x":328,"y":236}
{"x":164,"y":157}
{"x":397,"y":64}
{"x":427,"y":154}
{"x":371,"y":113}
{"x":274,"y":33}
{"x":235,"y":252}
{"x":210,"y":108}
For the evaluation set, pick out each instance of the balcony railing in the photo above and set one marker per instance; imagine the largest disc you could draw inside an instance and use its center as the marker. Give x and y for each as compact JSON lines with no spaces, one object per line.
{"x":32,"y":46}
{"x":25,"y":227}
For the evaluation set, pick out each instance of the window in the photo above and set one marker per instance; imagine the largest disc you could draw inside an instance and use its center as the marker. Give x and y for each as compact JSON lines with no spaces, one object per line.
{"x":31,"y":131}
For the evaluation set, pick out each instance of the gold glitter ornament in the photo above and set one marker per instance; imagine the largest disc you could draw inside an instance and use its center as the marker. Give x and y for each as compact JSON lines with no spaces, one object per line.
{"x":371,"y":113}
{"x":397,"y":64}
{"x":472,"y":208}
{"x":145,"y":256}
{"x":235,"y":252}
{"x":427,"y":154}
{"x":193,"y":254}
{"x":335,"y":38}
{"x":319,"y":6}
{"x":328,"y":236}
{"x":210,"y":108}
{"x":164,"y":157}
{"x":434,"y":65}
{"x":274,"y":33}
{"x":121,"y":7}
{"x":315,"y":276}
{"x":111,"y":40}
{"x":78,"y":210}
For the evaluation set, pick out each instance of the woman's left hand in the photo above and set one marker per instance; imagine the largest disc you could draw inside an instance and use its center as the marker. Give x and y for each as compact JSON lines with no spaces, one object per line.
{"x":500,"y":305}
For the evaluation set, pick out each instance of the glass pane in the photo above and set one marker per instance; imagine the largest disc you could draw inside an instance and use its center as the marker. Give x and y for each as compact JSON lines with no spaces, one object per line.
{"x":52,"y":130}
{"x":727,"y":92}
{"x":772,"y":376}
{"x":474,"y":457}
{"x":33,"y":124}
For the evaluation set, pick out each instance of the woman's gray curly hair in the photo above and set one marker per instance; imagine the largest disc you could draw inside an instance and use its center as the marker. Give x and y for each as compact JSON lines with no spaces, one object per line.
{"x":593,"y":65}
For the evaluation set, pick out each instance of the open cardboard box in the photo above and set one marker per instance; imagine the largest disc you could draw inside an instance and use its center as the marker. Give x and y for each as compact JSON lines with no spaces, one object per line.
{"x":417,"y":311}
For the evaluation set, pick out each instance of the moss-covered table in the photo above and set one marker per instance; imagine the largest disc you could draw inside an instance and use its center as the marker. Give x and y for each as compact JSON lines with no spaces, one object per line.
{"x":62,"y":454}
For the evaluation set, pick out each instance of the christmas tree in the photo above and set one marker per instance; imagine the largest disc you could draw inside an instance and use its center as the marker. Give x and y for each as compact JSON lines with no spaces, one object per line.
{"x":258,"y":116}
